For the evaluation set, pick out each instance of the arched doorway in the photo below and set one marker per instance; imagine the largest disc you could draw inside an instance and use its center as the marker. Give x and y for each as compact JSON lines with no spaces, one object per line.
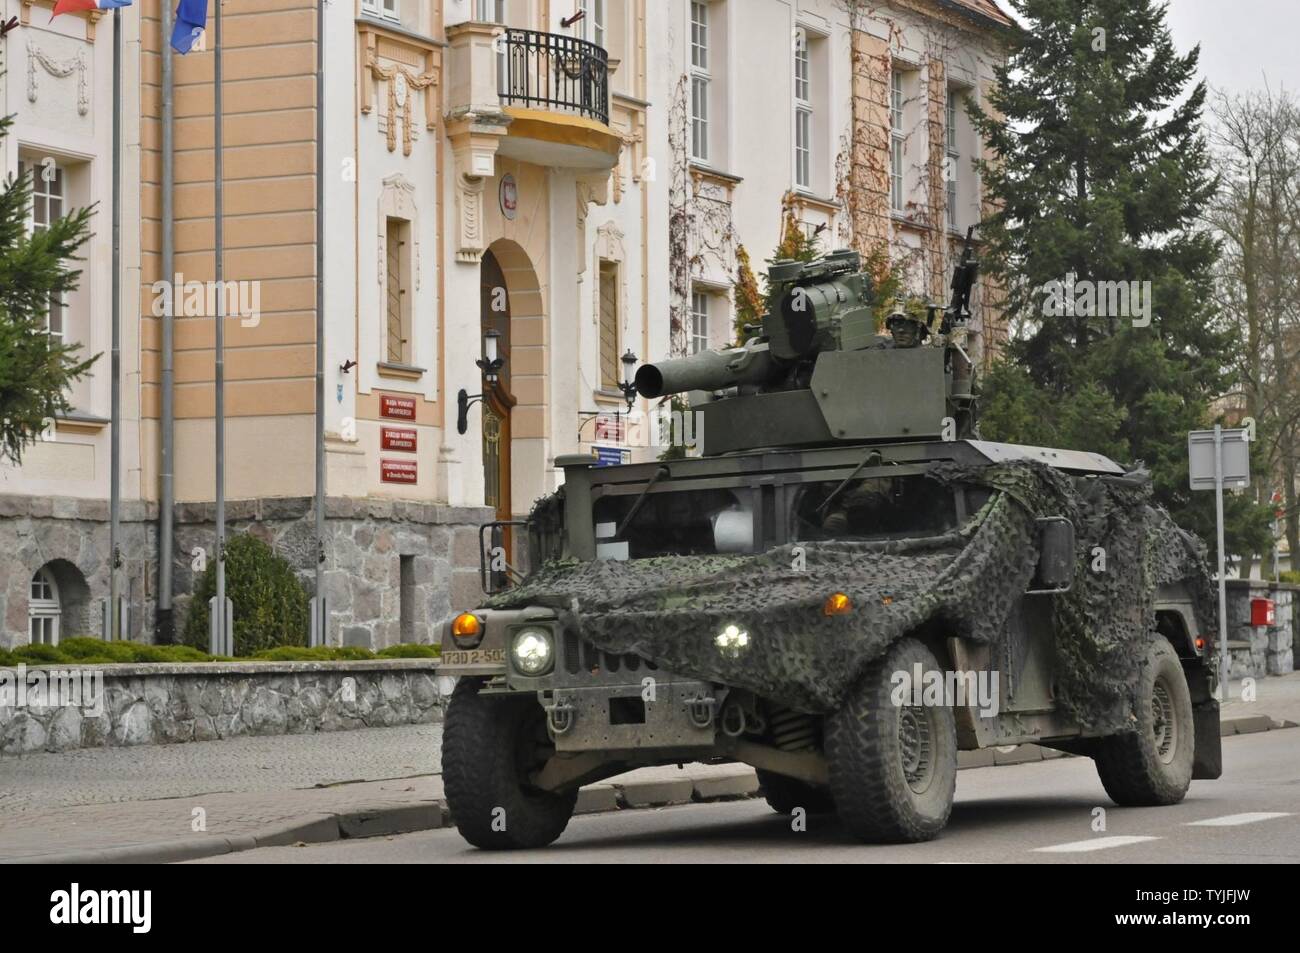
{"x":58,"y":603}
{"x":494,"y":314}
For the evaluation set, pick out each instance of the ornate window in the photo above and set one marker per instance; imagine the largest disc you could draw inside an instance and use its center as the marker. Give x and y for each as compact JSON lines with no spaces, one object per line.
{"x":610,"y":320}
{"x":397,"y":293}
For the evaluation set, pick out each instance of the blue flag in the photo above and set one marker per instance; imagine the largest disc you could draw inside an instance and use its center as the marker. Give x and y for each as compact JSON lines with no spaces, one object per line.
{"x":191,"y":19}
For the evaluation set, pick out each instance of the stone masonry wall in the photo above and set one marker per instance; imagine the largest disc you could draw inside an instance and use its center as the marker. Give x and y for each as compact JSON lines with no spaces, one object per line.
{"x":1260,"y":650}
{"x":171,"y":704}
{"x":366,"y":542}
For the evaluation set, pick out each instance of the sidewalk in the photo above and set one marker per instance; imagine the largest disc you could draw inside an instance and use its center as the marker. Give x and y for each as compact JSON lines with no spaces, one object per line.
{"x":175,"y":802}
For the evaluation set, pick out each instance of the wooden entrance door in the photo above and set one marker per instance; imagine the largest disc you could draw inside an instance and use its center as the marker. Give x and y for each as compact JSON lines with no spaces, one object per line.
{"x":494,"y":313}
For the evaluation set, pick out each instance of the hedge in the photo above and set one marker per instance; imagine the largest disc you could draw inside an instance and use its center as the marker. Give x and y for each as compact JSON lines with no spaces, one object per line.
{"x":86,"y":651}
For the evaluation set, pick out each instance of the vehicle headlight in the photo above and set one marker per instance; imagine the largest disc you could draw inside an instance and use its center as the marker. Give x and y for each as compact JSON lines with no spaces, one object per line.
{"x":732,"y":641}
{"x":533,"y":651}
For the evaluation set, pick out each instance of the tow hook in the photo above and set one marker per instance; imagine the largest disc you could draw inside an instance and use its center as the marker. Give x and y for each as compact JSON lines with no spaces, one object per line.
{"x":560,"y":716}
{"x":700,"y":710}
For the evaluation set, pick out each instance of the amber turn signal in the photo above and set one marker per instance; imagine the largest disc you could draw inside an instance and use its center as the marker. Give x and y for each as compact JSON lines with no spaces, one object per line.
{"x":1200,"y":643}
{"x":466,"y":629}
{"x":837,"y":604}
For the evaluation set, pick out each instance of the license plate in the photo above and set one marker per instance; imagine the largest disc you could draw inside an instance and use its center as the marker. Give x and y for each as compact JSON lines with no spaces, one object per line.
{"x":474,"y":657}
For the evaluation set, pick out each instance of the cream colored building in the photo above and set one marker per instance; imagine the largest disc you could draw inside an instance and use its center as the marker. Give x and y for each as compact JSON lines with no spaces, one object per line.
{"x":851,"y":114}
{"x":56,"y":80}
{"x":484,"y":167}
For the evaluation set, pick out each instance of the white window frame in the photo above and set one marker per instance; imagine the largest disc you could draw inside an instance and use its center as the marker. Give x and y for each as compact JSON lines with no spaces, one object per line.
{"x":592,"y":26}
{"x":897,"y":140}
{"x":953,"y":154}
{"x":44,"y":611}
{"x":488,"y":11}
{"x":700,"y":80}
{"x":803,"y":111}
{"x":54,"y":207}
{"x":385,"y":9}
{"x":701,"y":310}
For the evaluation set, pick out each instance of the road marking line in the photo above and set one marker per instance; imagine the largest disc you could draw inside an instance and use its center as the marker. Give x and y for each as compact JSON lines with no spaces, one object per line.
{"x":1233,"y":820}
{"x":1097,"y":843}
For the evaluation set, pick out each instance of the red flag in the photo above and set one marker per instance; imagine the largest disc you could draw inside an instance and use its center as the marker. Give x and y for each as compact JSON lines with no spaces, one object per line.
{"x":78,"y":6}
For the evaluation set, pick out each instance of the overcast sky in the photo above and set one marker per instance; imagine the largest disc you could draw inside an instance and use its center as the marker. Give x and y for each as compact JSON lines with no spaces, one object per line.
{"x":1242,"y":41}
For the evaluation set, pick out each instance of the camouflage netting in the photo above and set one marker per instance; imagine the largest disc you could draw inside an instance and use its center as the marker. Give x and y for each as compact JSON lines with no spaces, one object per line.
{"x":966,"y":583}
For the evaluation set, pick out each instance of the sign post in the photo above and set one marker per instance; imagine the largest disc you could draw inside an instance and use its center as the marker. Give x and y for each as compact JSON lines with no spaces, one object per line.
{"x":1218,"y":458}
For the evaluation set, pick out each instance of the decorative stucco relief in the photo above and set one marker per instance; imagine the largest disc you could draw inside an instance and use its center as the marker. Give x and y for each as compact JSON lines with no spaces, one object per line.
{"x":59,"y":69}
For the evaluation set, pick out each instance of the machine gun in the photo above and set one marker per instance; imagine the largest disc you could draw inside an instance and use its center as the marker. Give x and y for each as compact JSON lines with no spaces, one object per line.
{"x":819,"y":373}
{"x":963,"y":282}
{"x":816,"y":307}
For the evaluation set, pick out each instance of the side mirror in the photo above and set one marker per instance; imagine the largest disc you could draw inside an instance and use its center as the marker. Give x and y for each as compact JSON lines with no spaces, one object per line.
{"x":495,"y":572}
{"x":1055,"y":557}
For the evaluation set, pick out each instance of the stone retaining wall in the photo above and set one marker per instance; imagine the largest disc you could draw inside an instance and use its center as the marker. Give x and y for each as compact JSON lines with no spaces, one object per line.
{"x":372,"y":548}
{"x":1261,"y":650}
{"x":171,"y":704}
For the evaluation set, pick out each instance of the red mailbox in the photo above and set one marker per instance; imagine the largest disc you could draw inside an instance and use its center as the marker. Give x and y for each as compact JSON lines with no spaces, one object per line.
{"x":1262,"y":612}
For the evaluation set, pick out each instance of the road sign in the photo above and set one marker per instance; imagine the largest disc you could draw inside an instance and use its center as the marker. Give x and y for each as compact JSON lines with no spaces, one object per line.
{"x":1236,"y":458}
{"x":1215,"y":459}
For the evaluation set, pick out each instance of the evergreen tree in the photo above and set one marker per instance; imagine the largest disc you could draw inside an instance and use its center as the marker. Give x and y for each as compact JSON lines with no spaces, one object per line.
{"x":1101,"y":173}
{"x":35,"y":370}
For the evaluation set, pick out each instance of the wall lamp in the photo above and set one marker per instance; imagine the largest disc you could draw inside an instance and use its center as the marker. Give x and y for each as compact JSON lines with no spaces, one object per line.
{"x":490,"y":364}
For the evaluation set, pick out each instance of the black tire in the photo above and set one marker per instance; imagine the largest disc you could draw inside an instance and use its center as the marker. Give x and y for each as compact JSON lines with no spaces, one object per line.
{"x":783,"y":794}
{"x":489,"y":744}
{"x":889,"y":788}
{"x":1153,"y":765}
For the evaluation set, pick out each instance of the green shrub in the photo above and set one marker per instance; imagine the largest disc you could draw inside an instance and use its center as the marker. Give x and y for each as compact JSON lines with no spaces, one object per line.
{"x":319,"y":653}
{"x":411,"y":650}
{"x":37,"y":654}
{"x":96,"y":650}
{"x":1291,"y":576}
{"x":270,"y":605}
{"x":87,"y":651}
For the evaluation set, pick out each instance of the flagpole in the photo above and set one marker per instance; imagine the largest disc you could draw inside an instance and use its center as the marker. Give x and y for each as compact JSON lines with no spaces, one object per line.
{"x":222,"y":624}
{"x":114,"y":627}
{"x":320,"y":633}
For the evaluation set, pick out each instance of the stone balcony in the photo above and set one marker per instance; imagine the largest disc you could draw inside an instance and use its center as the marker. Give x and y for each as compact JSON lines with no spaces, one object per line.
{"x":543,"y":96}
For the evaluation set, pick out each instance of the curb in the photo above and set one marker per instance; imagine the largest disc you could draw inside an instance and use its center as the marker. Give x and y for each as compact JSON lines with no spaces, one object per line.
{"x":390,"y":820}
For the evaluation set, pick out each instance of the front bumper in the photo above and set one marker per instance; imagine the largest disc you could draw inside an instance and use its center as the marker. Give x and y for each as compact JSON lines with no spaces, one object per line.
{"x":595,"y":700}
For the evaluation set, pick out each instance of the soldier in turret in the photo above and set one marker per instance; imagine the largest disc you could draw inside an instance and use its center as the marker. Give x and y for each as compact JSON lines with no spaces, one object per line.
{"x":906,"y":330}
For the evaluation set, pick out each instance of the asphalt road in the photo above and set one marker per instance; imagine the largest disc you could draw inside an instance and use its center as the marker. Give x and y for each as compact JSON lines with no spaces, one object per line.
{"x":1033,"y":813}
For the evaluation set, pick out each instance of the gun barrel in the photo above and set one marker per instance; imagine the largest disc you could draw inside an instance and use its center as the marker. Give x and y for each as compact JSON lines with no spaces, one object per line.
{"x":707,"y":370}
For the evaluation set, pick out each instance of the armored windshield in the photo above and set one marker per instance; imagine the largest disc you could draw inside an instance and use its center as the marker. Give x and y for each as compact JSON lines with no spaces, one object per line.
{"x":874,"y":508}
{"x":684,"y":522}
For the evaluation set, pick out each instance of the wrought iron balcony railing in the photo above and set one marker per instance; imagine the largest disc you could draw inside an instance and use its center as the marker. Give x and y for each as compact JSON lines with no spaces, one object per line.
{"x":555,"y":72}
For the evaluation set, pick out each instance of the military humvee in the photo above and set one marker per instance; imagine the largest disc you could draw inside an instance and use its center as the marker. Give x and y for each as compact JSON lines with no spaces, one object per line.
{"x":843,"y":589}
